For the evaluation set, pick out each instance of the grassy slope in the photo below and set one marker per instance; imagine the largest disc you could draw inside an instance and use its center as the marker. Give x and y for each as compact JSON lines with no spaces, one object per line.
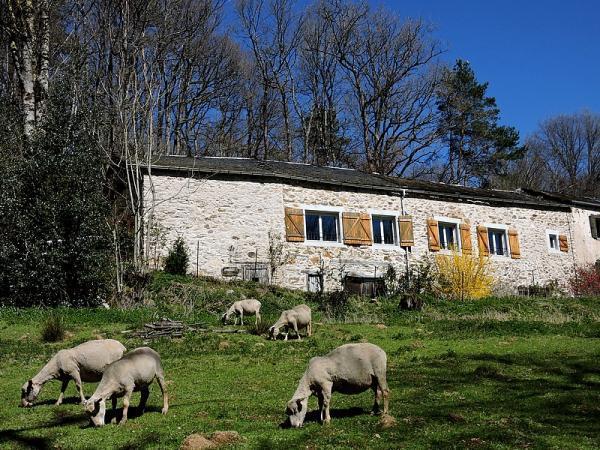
{"x":521,"y":373}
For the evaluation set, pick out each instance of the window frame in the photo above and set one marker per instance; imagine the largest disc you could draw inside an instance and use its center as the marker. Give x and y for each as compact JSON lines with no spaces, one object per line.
{"x":499,"y":227}
{"x":550,"y":248}
{"x":322,"y":210}
{"x":395,"y":231}
{"x":596,"y":219}
{"x":443,"y":220}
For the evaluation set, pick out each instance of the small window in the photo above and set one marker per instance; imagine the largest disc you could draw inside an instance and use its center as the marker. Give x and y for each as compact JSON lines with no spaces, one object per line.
{"x":553,"y":243}
{"x":384,"y":230}
{"x":315,"y":282}
{"x":498,"y":242}
{"x":448,"y":235}
{"x":322,"y":226}
{"x":595,"y":226}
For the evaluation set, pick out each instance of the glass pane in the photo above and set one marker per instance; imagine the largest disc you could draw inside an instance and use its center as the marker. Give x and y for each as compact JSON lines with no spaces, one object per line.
{"x":388,"y":231}
{"x":497,"y":240}
{"x":376,"y":230}
{"x":553,"y":241}
{"x":329,"y":225}
{"x":447,"y":235}
{"x":312,"y":227}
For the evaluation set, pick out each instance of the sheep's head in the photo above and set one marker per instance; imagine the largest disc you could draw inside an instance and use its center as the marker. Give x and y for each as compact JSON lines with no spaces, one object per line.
{"x":296,"y":411}
{"x":225,"y":317}
{"x":29,"y":392}
{"x":95,"y":410}
{"x":273,"y":332}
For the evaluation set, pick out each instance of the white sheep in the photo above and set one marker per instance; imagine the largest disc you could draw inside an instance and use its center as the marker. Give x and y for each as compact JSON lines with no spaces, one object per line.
{"x":134,"y":372}
{"x":296,"y":318}
{"x":349,"y":369}
{"x":241,"y":307}
{"x":85,"y":362}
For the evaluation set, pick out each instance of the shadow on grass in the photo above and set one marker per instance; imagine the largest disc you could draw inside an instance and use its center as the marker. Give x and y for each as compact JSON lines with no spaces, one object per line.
{"x":515,"y":400}
{"x":66,"y":401}
{"x":19,"y":435}
{"x":335,"y":413}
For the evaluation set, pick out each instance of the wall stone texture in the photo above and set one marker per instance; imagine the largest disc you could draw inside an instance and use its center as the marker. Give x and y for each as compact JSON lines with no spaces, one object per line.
{"x":239,"y":222}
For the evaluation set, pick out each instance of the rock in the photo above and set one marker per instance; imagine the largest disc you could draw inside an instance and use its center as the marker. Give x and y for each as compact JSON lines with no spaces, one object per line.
{"x":456,"y":418}
{"x":386,"y":421}
{"x":223,"y":345}
{"x":197,"y":442}
{"x":380,"y":326}
{"x":230,"y":292}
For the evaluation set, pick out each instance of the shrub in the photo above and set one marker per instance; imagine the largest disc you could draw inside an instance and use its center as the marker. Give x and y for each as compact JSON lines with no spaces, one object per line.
{"x":419,"y":279}
{"x":463,"y":277}
{"x":586,"y":280}
{"x":177,"y":260}
{"x":53,"y":328}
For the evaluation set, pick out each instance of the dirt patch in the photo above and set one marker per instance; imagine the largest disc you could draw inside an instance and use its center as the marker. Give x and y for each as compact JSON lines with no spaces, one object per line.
{"x":380,"y":326}
{"x":215,"y":440}
{"x":224,"y":345}
{"x":386,"y":421}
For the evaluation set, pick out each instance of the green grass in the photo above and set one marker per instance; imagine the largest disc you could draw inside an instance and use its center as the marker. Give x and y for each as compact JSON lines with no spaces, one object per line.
{"x":498,"y":373}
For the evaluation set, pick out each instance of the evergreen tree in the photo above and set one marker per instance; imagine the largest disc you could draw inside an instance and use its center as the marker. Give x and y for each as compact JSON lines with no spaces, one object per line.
{"x":478,"y":147}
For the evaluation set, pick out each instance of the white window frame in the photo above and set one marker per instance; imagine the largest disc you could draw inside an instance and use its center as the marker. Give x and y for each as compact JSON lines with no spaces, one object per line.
{"x":388,"y":214}
{"x":333,"y":210}
{"x":502,"y":227}
{"x":550,"y":249}
{"x":452,"y":221}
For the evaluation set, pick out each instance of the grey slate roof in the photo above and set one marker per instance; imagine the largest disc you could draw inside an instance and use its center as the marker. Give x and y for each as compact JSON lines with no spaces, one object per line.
{"x":345,"y":178}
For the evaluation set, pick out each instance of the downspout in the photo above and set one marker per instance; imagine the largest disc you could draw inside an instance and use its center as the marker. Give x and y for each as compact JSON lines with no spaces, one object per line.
{"x":406,"y":264}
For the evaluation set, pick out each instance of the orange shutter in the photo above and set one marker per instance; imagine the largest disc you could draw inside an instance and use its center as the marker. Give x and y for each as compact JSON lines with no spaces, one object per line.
{"x":513,"y":241}
{"x":405,"y":225}
{"x":357,"y":228}
{"x":294,"y":225}
{"x":465,"y":239}
{"x":433,"y":235}
{"x":564,"y":243}
{"x":483,"y":241}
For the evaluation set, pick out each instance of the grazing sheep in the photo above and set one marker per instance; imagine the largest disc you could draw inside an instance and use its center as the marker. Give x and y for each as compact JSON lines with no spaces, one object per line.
{"x":134,"y":372}
{"x":85,"y":362}
{"x":349,"y":369}
{"x":296,"y":318}
{"x":239,"y":308}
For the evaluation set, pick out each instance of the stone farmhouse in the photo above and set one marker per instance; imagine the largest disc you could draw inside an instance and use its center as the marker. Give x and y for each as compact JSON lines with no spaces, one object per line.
{"x":314,"y":228}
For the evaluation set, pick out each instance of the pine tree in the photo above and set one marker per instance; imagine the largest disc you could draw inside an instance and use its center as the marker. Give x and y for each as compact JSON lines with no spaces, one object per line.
{"x":477,"y":146}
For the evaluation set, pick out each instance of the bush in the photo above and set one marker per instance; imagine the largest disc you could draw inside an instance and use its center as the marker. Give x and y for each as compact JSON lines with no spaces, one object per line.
{"x":53,"y":328}
{"x":463,"y":277}
{"x":177,"y":260}
{"x":586,"y":280}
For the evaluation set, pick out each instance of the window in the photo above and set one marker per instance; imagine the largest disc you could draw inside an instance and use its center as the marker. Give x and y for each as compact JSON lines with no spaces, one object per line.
{"x":384,"y":230}
{"x":552,"y":240}
{"x":448,"y":235}
{"x":315,"y":282}
{"x":497,"y":240}
{"x":322,"y":226}
{"x":595,"y":226}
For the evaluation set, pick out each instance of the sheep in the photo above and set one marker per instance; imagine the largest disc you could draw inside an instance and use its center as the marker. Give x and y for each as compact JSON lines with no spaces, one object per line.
{"x":241,"y":307}
{"x":134,"y":372}
{"x":296,"y":318}
{"x":85,"y":362}
{"x":349,"y":369}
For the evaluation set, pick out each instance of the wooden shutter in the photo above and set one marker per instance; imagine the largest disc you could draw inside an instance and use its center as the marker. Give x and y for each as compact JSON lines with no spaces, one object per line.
{"x":294,"y":225}
{"x":465,"y":239}
{"x":357,"y":228}
{"x":483,"y":241}
{"x":513,"y":242}
{"x":564,"y":242}
{"x":405,"y":225}
{"x":433,"y":235}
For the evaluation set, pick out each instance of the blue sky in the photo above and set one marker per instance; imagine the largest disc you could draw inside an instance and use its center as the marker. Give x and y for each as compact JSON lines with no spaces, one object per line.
{"x":541,"y":58}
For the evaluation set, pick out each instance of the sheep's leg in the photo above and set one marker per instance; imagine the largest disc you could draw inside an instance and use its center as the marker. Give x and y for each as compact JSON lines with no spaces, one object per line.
{"x":63,"y":388}
{"x":382,"y":387}
{"x":77,"y":379}
{"x":258,"y":319}
{"x":321,"y":410}
{"x":326,"y":392}
{"x":295,"y":325}
{"x":242,"y":317}
{"x":113,"y":400}
{"x":309,"y":329}
{"x":160,"y":378}
{"x":377,"y":402}
{"x":126,"y":400}
{"x":143,"y":399}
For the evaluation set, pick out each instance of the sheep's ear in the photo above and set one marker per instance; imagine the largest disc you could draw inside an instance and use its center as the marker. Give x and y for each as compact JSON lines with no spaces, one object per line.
{"x":299,"y":404}
{"x":29,"y":385}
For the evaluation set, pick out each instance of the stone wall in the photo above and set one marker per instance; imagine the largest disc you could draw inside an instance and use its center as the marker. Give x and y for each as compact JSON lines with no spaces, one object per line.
{"x":586,"y":248}
{"x":237,"y":222}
